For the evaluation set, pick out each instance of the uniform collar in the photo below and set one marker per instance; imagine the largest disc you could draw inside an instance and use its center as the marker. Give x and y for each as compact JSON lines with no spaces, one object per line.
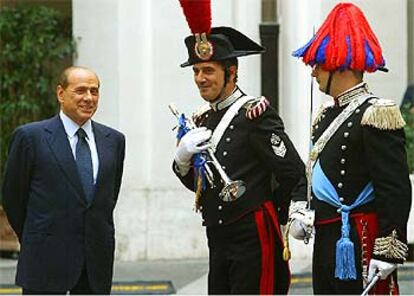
{"x":353,"y":93}
{"x":236,"y":94}
{"x":72,"y":127}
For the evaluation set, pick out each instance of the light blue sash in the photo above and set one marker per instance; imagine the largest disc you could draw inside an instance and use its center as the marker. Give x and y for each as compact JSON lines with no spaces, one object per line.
{"x":325,"y":191}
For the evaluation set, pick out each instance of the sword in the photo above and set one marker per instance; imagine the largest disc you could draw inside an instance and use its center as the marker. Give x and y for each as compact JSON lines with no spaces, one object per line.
{"x":308,"y":176}
{"x":372,"y":283}
{"x":309,"y":162}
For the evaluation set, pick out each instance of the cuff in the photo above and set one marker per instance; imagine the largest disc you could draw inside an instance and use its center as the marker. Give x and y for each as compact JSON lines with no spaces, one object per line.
{"x":182,"y":168}
{"x":390,"y":248}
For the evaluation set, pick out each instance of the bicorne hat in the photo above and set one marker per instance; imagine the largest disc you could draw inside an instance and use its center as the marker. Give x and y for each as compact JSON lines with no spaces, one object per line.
{"x":212,"y":44}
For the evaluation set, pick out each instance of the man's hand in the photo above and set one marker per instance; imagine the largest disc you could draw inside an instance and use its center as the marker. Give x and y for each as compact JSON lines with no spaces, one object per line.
{"x":302,"y":221}
{"x":297,"y":229}
{"x":191,"y":143}
{"x":384,"y":269}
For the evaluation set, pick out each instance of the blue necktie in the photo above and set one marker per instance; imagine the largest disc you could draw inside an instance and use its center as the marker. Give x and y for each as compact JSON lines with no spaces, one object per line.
{"x":84,"y":164}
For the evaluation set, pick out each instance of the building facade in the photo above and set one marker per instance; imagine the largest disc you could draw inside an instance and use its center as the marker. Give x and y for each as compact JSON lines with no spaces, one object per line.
{"x":136,"y":47}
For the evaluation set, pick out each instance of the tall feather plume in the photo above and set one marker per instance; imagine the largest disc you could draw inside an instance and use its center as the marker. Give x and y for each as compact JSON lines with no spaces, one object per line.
{"x":198,"y":15}
{"x":344,"y":41}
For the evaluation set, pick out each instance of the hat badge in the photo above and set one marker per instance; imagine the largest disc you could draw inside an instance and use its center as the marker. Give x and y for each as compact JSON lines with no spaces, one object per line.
{"x":203,"y":48}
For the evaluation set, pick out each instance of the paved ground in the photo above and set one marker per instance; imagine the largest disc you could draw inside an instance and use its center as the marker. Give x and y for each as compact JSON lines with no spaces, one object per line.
{"x":190,"y":276}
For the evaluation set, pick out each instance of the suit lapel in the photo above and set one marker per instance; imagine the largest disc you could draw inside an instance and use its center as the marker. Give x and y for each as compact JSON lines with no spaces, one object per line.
{"x":105,"y":152}
{"x":59,"y":144}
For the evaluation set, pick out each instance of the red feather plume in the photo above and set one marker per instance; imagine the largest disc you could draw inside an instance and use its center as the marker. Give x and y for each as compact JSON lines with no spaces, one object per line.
{"x":198,"y":15}
{"x":352,"y":43}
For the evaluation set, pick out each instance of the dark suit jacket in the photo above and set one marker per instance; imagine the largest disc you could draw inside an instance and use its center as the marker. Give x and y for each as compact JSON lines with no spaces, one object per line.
{"x":46,"y":206}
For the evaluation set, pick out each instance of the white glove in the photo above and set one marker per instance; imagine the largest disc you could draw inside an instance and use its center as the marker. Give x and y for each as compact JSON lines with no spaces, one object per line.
{"x":191,"y":143}
{"x":297,"y":229}
{"x":302,"y":221}
{"x":384,"y":269}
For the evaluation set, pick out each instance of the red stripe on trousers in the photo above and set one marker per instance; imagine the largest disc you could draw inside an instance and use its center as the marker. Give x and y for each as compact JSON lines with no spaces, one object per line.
{"x":383,"y":286}
{"x":266,"y":221}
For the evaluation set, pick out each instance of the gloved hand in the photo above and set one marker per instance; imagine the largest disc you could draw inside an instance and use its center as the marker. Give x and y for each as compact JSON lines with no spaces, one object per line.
{"x":191,"y":143}
{"x":383,"y":267}
{"x":297,"y":229}
{"x":302,"y":220}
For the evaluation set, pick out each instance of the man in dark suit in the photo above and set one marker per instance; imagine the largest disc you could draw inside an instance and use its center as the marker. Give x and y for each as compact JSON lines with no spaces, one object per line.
{"x":61,"y":185}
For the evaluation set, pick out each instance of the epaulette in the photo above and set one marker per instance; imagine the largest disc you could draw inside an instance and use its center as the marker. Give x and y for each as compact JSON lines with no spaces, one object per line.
{"x":200,"y":112}
{"x":322,"y":109}
{"x":256,"y":107}
{"x":383,"y":114}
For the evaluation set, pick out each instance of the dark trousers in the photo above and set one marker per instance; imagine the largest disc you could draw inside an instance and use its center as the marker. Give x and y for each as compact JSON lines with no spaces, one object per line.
{"x":324,"y":260}
{"x":237,"y":263}
{"x":324,"y":257}
{"x":82,"y":287}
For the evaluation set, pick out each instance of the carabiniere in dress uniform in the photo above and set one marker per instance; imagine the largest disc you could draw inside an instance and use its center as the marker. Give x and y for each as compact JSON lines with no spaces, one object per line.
{"x":357,"y":173}
{"x":232,"y":159}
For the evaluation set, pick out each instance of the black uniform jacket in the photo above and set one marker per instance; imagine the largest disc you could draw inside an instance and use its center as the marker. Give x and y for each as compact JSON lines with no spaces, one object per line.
{"x":43,"y":197}
{"x":357,"y":154}
{"x":246,"y":153}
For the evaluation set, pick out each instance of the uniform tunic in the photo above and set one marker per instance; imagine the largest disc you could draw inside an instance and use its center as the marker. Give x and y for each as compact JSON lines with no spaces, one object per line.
{"x":258,"y":152}
{"x":359,"y":153}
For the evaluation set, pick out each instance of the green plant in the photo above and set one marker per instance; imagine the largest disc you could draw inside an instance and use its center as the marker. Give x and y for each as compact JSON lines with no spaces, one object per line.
{"x":408,"y":115}
{"x":36,"y":44}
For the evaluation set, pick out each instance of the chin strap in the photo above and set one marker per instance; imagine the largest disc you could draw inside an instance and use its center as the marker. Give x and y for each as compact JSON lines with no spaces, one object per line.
{"x":328,"y":85}
{"x":226,"y":80}
{"x":220,"y":95}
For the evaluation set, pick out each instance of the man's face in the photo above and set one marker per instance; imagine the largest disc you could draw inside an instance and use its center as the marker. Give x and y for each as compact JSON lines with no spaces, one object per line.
{"x":321,"y":77}
{"x":209,"y":77}
{"x":79,"y":100}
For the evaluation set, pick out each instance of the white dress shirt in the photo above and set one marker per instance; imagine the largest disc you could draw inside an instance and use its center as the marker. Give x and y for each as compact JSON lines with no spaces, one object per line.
{"x":71,"y":128}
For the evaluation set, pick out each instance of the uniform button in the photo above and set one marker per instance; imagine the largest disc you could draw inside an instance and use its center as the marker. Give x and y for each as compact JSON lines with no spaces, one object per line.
{"x":346,"y":134}
{"x":349,"y":124}
{"x":228,"y":140}
{"x":224,"y":153}
{"x":316,"y":126}
{"x":342,"y":172}
{"x":339,"y":210}
{"x":231,"y":127}
{"x":323,"y":115}
{"x":341,"y":199}
{"x":206,"y":115}
{"x":313,"y":138}
{"x":357,"y":111}
{"x":220,"y":221}
{"x":340,"y":185}
{"x":223,"y":167}
{"x":343,"y":160}
{"x":220,"y":208}
{"x":201,"y":208}
{"x":343,"y":147}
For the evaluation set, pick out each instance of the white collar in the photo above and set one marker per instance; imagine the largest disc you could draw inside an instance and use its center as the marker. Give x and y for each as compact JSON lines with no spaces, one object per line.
{"x":72,"y":127}
{"x":220,"y":105}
